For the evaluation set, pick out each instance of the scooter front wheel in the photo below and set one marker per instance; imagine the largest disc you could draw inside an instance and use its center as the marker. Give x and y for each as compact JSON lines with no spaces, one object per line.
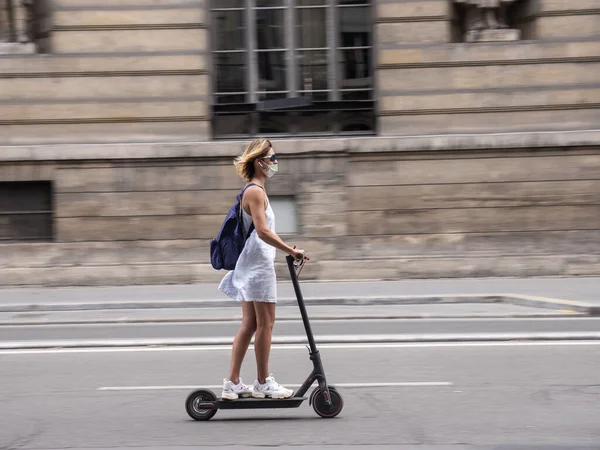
{"x":322,"y":408}
{"x":194,"y":407}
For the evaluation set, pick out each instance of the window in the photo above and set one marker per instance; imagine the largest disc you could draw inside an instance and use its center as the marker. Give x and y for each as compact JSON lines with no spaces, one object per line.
{"x":285,"y":211}
{"x":26,"y":211}
{"x":292,"y":67}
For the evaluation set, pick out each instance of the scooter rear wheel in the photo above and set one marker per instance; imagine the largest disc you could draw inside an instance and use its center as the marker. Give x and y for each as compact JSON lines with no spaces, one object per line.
{"x":195,"y":399}
{"x":321,"y":407}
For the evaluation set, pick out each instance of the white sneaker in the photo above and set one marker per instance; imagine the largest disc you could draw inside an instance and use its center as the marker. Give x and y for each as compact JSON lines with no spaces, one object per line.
{"x":232,"y":391}
{"x":270,"y":389}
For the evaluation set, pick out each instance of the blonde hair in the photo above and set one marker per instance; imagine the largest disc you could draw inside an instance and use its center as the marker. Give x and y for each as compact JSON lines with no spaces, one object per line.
{"x":244,"y":164}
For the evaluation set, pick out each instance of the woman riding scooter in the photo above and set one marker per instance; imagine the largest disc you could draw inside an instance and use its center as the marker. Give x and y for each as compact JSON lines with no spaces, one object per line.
{"x":253,"y":281}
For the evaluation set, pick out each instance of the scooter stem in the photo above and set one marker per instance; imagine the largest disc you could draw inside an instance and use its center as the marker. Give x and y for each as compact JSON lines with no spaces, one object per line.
{"x":303,"y":313}
{"x":318,"y":373}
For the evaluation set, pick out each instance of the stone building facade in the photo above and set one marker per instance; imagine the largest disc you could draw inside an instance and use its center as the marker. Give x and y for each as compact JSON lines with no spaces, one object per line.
{"x":435,"y":138}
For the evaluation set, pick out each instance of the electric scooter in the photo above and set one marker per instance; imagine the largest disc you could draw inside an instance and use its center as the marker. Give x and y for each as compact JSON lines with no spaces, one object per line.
{"x":203,"y":404}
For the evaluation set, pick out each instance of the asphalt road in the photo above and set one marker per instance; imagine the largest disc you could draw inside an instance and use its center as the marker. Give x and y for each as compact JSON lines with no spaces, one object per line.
{"x":480,"y":396}
{"x":295,"y":328}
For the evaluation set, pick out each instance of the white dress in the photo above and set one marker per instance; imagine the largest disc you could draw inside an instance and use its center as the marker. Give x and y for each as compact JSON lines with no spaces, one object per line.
{"x":253,"y":279}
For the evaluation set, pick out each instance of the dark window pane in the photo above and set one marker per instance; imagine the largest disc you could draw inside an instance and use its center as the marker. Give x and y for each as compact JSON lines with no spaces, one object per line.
{"x":310,"y":2}
{"x":225,"y":99}
{"x":227,"y":4}
{"x":312,"y":65}
{"x":25,"y":196}
{"x":357,"y":121}
{"x":268,"y":3}
{"x":262,"y":96}
{"x":353,"y":2}
{"x":355,"y":63}
{"x":271,"y":71}
{"x":26,"y":211}
{"x":355,"y":26}
{"x":310,"y":28}
{"x":313,"y":122}
{"x":229,"y":31}
{"x":26,"y":227}
{"x":273,"y":123}
{"x":316,"y":96}
{"x":230,"y":70}
{"x":232,"y":124}
{"x":355,"y":40}
{"x":355,"y":68}
{"x":356,"y":95}
{"x":270,"y":31}
{"x":356,"y":127}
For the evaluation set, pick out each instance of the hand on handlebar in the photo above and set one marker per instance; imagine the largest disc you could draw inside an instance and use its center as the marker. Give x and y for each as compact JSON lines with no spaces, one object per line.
{"x":300,"y":260}
{"x":299,"y":254}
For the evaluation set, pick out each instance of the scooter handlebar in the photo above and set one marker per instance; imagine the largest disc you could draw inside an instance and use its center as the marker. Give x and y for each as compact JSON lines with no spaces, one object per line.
{"x":297,"y":263}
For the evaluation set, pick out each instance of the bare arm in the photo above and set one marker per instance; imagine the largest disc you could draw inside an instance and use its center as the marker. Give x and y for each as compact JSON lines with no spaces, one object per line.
{"x":255,"y":202}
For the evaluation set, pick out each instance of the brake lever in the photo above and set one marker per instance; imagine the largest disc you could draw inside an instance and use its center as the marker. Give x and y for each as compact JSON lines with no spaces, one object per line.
{"x":299,"y":265}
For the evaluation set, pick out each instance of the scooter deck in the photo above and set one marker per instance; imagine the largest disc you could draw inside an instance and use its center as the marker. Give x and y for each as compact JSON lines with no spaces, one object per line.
{"x":260,"y":403}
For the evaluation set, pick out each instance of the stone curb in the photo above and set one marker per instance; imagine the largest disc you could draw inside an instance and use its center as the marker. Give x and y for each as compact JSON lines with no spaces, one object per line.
{"x":325,"y":301}
{"x":515,"y":299}
{"x":301,"y":340}
{"x":552,"y":303}
{"x":176,"y":320}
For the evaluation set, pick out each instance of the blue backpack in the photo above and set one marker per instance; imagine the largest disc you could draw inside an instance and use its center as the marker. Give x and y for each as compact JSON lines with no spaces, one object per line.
{"x":226,"y":248}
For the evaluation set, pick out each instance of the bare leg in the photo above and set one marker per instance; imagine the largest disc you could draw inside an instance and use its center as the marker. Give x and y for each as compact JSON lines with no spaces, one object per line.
{"x":265,"y":319}
{"x":242,"y":341}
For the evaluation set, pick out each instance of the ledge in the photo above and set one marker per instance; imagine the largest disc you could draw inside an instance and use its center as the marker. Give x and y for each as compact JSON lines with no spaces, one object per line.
{"x":125,"y":5}
{"x":490,"y":53}
{"x":16,"y":48}
{"x":227,"y":149}
{"x":490,"y":141}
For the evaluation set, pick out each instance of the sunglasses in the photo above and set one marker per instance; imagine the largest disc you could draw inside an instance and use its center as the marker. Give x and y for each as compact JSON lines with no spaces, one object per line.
{"x":272,"y":158}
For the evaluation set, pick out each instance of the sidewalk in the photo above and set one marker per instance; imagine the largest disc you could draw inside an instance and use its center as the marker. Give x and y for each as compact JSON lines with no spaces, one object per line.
{"x":284,"y":313}
{"x":188,"y":315}
{"x":493,"y":297}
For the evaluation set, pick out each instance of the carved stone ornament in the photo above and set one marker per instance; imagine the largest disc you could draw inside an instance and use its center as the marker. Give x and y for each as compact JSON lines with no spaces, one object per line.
{"x":16,"y":26}
{"x":487,"y":21}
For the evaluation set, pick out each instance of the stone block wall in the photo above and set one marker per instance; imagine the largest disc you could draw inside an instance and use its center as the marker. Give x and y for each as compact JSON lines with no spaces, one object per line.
{"x":114,"y":72}
{"x":485,"y":164}
{"x":150,"y":219}
{"x":139,"y":71}
{"x":505,"y":213}
{"x":546,"y":81}
{"x":367,"y":208}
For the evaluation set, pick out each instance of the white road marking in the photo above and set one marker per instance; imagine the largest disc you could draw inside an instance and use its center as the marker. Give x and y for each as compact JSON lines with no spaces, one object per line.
{"x":297,"y":339}
{"x":203,"y":348}
{"x":219,"y":386}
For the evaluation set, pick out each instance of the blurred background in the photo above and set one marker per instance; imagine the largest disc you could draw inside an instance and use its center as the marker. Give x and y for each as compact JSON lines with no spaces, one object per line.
{"x":417,"y":139}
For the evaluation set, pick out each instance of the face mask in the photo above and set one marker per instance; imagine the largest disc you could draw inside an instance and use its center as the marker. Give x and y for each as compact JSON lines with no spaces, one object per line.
{"x":270,"y":170}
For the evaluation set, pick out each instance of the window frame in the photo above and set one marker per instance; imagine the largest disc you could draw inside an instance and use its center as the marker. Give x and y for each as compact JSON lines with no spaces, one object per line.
{"x":294,"y":87}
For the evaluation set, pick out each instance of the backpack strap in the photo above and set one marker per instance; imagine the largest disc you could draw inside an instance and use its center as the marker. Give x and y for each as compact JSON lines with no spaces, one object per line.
{"x":250,"y":185}
{"x":241,"y":216}
{"x":244,"y":190}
